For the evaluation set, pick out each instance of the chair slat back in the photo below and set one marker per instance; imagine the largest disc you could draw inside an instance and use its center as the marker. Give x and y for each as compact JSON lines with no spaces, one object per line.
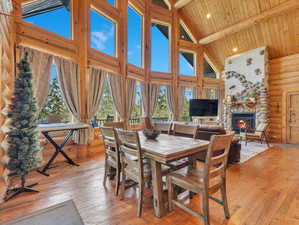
{"x":109,"y":139}
{"x":183,"y":129}
{"x":120,"y":125}
{"x":262,"y":127}
{"x":130,"y":150}
{"x":163,"y":127}
{"x":216,"y":161}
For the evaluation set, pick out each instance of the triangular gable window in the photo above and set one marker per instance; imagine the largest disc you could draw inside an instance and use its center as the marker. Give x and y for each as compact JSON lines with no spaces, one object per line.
{"x":209,"y":72}
{"x":43,"y":6}
{"x":160,"y":3}
{"x":184,"y":34}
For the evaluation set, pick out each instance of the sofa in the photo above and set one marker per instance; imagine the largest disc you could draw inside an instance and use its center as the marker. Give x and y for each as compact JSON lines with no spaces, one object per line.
{"x":205,"y":132}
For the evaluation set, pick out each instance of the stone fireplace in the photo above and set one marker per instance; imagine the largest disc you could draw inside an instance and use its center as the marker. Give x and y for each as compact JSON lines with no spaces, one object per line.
{"x":246,"y":97}
{"x":242,"y":122}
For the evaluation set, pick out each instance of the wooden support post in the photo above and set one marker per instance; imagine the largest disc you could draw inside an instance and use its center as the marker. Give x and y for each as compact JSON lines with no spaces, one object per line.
{"x":175,"y":58}
{"x":81,"y":36}
{"x":122,"y":40}
{"x":200,"y":71}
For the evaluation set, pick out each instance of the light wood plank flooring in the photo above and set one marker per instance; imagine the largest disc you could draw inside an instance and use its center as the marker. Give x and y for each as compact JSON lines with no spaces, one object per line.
{"x":262,"y":191}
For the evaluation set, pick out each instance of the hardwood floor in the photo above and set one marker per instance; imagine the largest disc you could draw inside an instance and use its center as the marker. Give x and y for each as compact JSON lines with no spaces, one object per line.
{"x":261,"y":191}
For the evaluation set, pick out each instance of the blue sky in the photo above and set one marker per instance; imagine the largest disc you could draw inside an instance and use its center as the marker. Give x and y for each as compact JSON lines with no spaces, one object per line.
{"x":103,"y":37}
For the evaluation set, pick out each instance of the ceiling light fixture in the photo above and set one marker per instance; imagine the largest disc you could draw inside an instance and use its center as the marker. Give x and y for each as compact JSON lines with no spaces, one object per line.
{"x":209,"y":15}
{"x":235,"y":49}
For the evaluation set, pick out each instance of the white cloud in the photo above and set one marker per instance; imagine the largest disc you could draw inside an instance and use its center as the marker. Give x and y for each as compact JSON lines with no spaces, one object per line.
{"x":99,"y":39}
{"x":130,"y":53}
{"x":138,"y":46}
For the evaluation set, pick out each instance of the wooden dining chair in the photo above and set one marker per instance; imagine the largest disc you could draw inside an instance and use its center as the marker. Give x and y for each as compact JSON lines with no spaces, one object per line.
{"x":115,"y":124}
{"x":162,"y":127}
{"x":184,"y":130}
{"x":134,"y":166}
{"x":112,"y":159}
{"x":259,"y":134}
{"x":206,"y":181}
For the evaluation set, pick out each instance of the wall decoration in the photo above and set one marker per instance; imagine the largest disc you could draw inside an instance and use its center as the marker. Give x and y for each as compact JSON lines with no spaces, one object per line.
{"x":249,"y":61}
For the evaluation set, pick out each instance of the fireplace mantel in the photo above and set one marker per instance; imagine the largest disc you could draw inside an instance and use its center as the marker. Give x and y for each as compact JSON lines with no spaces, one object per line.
{"x":249,"y":104}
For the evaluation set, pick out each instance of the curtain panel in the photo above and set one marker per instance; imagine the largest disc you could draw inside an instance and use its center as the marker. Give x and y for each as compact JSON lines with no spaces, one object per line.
{"x":117,"y":88}
{"x":172,"y":103}
{"x":149,"y":95}
{"x":181,"y":101}
{"x":41,"y":67}
{"x":131,"y":90}
{"x":69,"y":81}
{"x":195,"y":92}
{"x":95,"y":92}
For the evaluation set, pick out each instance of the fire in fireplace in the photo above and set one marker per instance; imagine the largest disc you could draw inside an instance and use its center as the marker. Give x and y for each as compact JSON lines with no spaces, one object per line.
{"x":243,"y":121}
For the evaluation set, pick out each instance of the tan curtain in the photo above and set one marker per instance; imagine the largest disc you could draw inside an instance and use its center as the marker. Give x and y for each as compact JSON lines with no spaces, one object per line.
{"x":117,"y":88}
{"x":149,"y":94}
{"x":181,"y":100}
{"x":195,"y":92}
{"x":95,"y":91}
{"x":171,"y":102}
{"x":41,"y":67}
{"x":69,"y":81}
{"x":131,"y":96}
{"x":212,"y":93}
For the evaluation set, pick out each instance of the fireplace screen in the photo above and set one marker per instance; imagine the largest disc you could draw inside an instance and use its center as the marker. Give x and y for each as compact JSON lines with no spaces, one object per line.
{"x":242,"y":122}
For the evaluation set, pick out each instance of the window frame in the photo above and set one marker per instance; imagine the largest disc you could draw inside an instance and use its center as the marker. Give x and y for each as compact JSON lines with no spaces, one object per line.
{"x":116,"y":43}
{"x":169,"y":25}
{"x":142,"y":35}
{"x":194,"y":62}
{"x":72,"y":21}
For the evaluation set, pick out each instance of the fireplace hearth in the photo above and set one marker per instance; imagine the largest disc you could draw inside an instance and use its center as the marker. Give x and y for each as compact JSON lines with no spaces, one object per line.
{"x":242,"y":122}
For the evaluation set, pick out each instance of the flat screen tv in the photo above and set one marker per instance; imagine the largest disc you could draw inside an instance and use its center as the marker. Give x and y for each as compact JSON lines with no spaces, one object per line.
{"x":203,"y":107}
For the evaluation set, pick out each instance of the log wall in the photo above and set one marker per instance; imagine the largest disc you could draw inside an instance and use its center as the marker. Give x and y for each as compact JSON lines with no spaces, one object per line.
{"x":283,"y":78}
{"x":6,"y":81}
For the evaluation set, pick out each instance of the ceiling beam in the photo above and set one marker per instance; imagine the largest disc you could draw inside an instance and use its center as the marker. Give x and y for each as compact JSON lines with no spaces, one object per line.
{"x":181,"y":3}
{"x":286,"y":6}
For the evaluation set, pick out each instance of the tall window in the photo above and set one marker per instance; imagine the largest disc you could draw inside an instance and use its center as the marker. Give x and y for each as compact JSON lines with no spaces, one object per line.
{"x":135,"y":28}
{"x":106,"y":108}
{"x":160,"y":48}
{"x":54,"y":109}
{"x":208,"y":70}
{"x":54,"y":16}
{"x":187,"y":96}
{"x":102,"y":33}
{"x":137,"y":108}
{"x":161,"y":110}
{"x":187,"y":60}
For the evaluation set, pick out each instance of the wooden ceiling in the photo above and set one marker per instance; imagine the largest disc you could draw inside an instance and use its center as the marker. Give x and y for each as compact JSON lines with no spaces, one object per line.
{"x":280,"y":32}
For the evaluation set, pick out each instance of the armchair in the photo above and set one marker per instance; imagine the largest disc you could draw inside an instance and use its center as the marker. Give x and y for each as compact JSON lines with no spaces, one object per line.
{"x":260,"y":134}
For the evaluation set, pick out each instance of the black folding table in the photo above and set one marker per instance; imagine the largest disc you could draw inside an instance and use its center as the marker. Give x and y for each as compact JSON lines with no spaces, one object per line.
{"x":46,"y":129}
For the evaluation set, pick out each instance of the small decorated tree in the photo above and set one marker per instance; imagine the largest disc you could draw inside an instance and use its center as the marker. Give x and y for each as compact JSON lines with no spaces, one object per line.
{"x":24,"y":150}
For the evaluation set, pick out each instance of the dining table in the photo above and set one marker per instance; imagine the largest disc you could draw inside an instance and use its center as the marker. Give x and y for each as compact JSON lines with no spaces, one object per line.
{"x":164,"y":150}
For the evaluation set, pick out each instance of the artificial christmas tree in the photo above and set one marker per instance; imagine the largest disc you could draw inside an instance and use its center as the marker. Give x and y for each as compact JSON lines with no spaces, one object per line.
{"x":24,"y":150}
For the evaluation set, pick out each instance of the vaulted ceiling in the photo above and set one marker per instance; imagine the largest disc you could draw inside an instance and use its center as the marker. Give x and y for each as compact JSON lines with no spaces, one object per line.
{"x":276,"y":25}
